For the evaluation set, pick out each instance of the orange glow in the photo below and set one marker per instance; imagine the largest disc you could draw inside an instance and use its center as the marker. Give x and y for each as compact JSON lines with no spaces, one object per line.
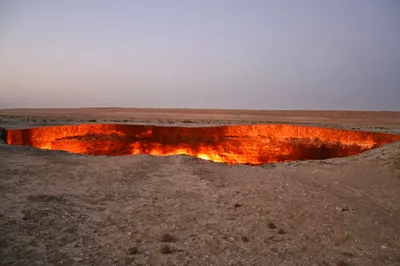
{"x":241,"y":144}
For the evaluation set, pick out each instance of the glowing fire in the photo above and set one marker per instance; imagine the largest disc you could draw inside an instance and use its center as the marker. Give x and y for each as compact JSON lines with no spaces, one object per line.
{"x":244,"y":144}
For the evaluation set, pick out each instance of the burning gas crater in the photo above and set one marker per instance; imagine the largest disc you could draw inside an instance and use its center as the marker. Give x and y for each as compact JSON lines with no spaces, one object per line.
{"x":242,"y":144}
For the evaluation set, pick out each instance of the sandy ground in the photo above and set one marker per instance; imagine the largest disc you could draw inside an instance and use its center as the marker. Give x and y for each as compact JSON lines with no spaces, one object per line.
{"x":372,"y":121}
{"x":65,"y":209}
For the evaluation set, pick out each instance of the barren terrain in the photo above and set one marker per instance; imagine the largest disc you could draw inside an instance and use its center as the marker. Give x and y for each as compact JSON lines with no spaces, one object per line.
{"x":59,"y":208}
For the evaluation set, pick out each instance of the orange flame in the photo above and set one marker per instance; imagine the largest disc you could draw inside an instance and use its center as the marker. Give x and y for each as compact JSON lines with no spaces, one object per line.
{"x":242,"y":144}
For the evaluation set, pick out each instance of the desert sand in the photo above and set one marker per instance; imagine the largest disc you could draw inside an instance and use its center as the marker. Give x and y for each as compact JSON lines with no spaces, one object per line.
{"x":59,"y":208}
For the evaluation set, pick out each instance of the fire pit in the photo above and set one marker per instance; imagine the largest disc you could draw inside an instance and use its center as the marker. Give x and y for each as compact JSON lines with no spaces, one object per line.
{"x":237,"y":144}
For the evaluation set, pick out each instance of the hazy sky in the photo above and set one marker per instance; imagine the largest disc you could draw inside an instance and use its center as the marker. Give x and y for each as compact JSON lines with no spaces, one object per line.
{"x":332,"y":54}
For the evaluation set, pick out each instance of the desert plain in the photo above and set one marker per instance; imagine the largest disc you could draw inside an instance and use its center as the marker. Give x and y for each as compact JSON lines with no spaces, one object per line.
{"x":59,"y":208}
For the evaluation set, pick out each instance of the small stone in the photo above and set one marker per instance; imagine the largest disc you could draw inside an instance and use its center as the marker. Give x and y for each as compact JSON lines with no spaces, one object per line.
{"x":271,"y":225}
{"x":383,"y":247}
{"x":348,"y":254}
{"x":281,"y":231}
{"x":166,"y":238}
{"x":165,"y":250}
{"x":132,"y":250}
{"x":342,"y":209}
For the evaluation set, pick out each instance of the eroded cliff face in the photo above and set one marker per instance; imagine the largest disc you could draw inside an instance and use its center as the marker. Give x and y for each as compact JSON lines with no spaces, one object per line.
{"x":242,"y":144}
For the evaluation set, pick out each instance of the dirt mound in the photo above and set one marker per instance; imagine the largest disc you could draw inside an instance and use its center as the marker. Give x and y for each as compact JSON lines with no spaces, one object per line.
{"x":387,"y":156}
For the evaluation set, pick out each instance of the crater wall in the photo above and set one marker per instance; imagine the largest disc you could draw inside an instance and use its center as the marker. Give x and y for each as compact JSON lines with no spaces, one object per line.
{"x":234,"y":144}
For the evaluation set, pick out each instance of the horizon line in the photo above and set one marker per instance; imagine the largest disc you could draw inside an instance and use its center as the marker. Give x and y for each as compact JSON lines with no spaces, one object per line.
{"x":170,"y":108}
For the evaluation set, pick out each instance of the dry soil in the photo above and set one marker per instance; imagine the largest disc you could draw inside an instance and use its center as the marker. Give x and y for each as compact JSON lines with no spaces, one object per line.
{"x":66,"y":209}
